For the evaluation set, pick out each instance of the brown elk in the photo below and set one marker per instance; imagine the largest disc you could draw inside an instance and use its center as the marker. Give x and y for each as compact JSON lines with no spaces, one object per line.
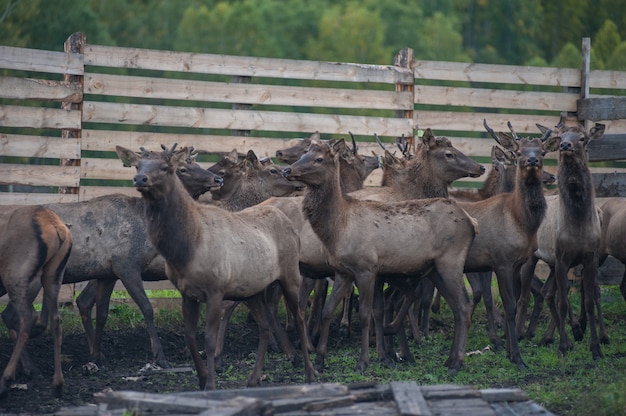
{"x":366,"y":239}
{"x":34,"y":250}
{"x":570,"y":235}
{"x":508,"y":225}
{"x":110,"y":243}
{"x":212,"y":254}
{"x":614,"y":233}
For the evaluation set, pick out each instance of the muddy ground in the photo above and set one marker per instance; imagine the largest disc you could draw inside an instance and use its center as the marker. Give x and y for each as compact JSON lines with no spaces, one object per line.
{"x":128,"y":351}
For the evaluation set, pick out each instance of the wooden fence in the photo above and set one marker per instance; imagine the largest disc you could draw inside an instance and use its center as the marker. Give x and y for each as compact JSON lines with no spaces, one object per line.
{"x":63,"y":113}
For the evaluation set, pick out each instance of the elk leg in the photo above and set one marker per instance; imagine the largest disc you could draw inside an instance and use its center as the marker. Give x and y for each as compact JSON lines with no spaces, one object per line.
{"x":344,"y":324}
{"x":562,"y":287}
{"x":535,"y":288}
{"x":590,"y":287}
{"x":425,"y":303}
{"x":340,"y":286}
{"x":134,"y":285}
{"x":319,"y":299}
{"x":450,"y":284}
{"x":484,"y":282}
{"x":291,"y":293}
{"x":84,"y":303}
{"x":228,"y":307}
{"x":371,"y":298}
{"x":51,"y":282}
{"x":622,"y":286}
{"x":505,"y":287}
{"x":260,"y":311}
{"x":273,"y":293}
{"x":191,"y":316}
{"x":525,"y":280}
{"x":549,"y":293}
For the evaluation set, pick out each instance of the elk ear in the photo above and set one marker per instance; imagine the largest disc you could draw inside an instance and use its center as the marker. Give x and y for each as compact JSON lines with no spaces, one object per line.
{"x":127,"y":156}
{"x":551,"y":144}
{"x":233,"y":155}
{"x":428,"y":138}
{"x":338,"y":147}
{"x":315,"y":137}
{"x":597,"y":131}
{"x":508,"y":142}
{"x":498,"y":155}
{"x":265,"y":161}
{"x":251,"y":157}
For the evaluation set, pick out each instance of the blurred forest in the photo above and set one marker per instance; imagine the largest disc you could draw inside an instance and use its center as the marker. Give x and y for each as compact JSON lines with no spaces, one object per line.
{"x":514,"y":32}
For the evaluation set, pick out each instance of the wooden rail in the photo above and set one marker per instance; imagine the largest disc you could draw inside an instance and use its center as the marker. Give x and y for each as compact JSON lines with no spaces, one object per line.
{"x":136,"y":97}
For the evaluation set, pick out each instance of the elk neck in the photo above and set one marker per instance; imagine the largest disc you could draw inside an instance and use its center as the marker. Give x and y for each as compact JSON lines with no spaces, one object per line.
{"x":172,"y":222}
{"x":325,"y":206}
{"x":422,"y":183}
{"x":528,"y":200}
{"x":575,"y":188}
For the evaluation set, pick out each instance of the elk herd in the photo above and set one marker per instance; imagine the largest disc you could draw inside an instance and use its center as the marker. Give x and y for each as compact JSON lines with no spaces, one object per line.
{"x":252,"y":231}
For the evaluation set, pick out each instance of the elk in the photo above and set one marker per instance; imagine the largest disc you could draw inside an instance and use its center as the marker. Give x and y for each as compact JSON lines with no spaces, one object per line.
{"x":570,"y":234}
{"x":34,"y":251}
{"x":367,"y":242}
{"x":508,"y":226}
{"x":613,"y":233}
{"x":212,"y":254}
{"x":110,"y":243}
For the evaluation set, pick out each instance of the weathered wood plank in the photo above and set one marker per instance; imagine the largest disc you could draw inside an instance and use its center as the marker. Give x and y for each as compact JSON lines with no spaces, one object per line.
{"x":610,"y":184}
{"x":602,"y":108}
{"x":506,"y":74}
{"x":520,"y":409}
{"x":101,"y":112}
{"x":22,"y":198}
{"x":447,"y":391}
{"x":242,"y":65}
{"x":409,"y":399}
{"x":503,"y":395}
{"x":19,"y":145}
{"x":40,"y":60}
{"x":471,"y":121}
{"x":274,"y":393}
{"x":38,"y":117}
{"x":466,"y":406}
{"x":39,"y":175}
{"x":493,"y":98}
{"x":224,"y":92}
{"x":607,"y":79}
{"x":610,"y":147}
{"x":39,"y":89}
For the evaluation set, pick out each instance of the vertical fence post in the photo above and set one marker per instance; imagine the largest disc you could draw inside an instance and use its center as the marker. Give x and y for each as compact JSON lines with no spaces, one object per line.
{"x":584,"y":73}
{"x":405,"y":59}
{"x":74,"y":44}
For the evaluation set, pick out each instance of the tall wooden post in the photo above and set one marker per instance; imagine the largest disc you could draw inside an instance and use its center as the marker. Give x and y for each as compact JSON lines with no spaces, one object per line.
{"x":406,"y":59}
{"x":584,"y":74}
{"x":74,"y":44}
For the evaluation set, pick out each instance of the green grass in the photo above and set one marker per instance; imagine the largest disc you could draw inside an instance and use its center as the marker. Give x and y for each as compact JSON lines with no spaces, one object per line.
{"x":574,"y":385}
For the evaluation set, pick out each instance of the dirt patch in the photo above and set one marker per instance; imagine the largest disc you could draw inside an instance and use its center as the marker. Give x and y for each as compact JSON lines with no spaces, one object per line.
{"x":128,"y":351}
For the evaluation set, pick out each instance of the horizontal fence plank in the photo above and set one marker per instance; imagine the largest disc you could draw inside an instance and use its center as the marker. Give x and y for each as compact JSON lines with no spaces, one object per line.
{"x":39,"y":89}
{"x":40,"y":118}
{"x":39,"y":175}
{"x":106,"y":140}
{"x":493,"y":98}
{"x":177,"y":89}
{"x":32,"y":198}
{"x":609,"y":147}
{"x":101,"y":112}
{"x":602,"y":108}
{"x":504,"y":74}
{"x":607,"y":79}
{"x":135,"y":58}
{"x":19,"y":145}
{"x":41,"y":61}
{"x":473,"y":121}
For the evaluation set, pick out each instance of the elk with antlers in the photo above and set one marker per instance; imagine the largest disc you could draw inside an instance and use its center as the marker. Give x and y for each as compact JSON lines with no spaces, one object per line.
{"x":570,"y":235}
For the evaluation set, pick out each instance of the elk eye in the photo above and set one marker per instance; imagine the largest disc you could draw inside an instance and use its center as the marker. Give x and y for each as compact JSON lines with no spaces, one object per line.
{"x":449,"y":155}
{"x":164,"y":169}
{"x":319,"y":160}
{"x":273,"y":171}
{"x":183,"y":170}
{"x":221,"y":173}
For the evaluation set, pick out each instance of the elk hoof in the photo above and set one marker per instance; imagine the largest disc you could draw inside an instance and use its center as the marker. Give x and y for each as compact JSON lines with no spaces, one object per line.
{"x":596,"y":352}
{"x":57,"y":390}
{"x":361,"y":366}
{"x":546,"y":341}
{"x":604,"y":340}
{"x":578,"y":332}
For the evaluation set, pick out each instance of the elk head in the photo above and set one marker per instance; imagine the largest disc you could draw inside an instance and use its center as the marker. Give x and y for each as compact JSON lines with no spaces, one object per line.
{"x":574,"y":139}
{"x":293,"y":153}
{"x":446,"y":161}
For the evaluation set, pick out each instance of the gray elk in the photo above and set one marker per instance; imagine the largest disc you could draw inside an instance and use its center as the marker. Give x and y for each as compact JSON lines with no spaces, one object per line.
{"x":34,"y":250}
{"x":212,"y":254}
{"x":110,"y":243}
{"x":508,"y":226}
{"x":369,"y":241}
{"x":614,"y":233}
{"x":570,"y":235}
